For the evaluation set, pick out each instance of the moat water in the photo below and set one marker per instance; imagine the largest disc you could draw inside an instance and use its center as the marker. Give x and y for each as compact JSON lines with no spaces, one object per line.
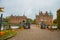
{"x":16,"y":27}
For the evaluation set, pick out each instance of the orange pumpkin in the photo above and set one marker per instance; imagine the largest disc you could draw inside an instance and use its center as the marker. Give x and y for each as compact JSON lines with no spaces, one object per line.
{"x":2,"y":33}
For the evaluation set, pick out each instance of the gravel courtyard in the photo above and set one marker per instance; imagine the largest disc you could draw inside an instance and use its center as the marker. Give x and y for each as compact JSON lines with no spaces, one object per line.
{"x":36,"y":33}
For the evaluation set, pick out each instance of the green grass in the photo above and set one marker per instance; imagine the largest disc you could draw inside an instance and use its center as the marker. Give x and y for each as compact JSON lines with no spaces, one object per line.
{"x":8,"y":34}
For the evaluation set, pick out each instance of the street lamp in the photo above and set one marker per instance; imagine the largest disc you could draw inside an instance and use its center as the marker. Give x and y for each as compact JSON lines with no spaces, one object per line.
{"x":1,"y":10}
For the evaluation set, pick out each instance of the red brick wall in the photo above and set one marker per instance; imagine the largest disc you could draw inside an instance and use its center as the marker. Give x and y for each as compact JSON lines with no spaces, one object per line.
{"x":17,"y":19}
{"x":48,"y":20}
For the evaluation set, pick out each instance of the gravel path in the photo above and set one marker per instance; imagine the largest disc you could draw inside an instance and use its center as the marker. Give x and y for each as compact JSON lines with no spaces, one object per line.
{"x":36,"y":34}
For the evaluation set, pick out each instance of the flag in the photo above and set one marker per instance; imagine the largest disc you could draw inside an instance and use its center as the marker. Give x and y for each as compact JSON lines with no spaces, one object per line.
{"x":1,"y":9}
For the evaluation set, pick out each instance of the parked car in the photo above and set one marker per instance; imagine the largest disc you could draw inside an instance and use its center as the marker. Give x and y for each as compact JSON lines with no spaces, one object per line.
{"x":43,"y":26}
{"x":27,"y":25}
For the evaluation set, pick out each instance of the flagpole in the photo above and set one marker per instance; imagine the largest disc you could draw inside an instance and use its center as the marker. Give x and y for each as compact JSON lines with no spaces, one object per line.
{"x":1,"y":10}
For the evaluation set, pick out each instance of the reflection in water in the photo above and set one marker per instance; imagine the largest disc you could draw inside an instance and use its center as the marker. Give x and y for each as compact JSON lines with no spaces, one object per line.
{"x":12,"y":27}
{"x":16,"y":27}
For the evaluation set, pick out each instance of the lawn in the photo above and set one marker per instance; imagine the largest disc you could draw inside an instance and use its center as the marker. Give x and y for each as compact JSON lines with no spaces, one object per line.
{"x":8,"y":34}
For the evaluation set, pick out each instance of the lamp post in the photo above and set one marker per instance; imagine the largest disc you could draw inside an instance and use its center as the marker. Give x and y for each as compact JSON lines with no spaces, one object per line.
{"x":1,"y":10}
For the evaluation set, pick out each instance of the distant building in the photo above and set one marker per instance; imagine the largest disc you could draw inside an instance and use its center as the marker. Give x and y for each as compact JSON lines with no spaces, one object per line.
{"x":47,"y":18}
{"x":17,"y":19}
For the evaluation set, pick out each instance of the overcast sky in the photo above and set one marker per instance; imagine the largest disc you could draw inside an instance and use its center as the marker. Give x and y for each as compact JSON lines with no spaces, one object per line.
{"x":29,"y":7}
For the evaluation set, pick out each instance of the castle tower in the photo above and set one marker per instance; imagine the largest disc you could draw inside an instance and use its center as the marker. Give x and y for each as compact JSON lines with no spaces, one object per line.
{"x":47,"y":18}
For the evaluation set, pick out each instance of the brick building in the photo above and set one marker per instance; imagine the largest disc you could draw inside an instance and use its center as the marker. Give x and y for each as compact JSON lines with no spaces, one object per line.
{"x":46,"y":18}
{"x":17,"y":19}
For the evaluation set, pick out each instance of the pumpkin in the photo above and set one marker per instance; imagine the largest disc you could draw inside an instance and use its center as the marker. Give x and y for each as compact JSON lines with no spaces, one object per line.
{"x":2,"y":33}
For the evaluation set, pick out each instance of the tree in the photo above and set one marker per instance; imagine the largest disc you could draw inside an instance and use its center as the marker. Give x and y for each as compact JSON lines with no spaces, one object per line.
{"x":58,"y":18}
{"x":32,"y":21}
{"x":55,"y":21}
{"x":29,"y":20}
